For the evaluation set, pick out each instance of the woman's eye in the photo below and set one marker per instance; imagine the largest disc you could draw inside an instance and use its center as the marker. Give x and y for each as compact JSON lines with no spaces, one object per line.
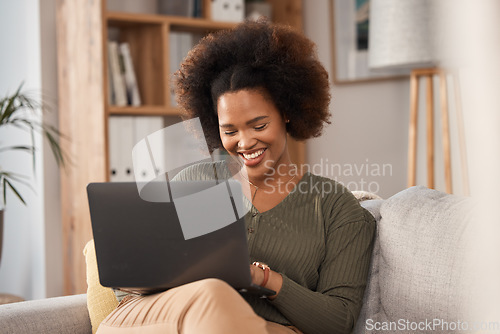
{"x":229,"y":133}
{"x":261,"y":127}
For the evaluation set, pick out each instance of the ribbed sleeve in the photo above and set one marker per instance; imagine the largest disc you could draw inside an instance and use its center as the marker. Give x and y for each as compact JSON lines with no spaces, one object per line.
{"x":320,"y":239}
{"x":335,"y":305}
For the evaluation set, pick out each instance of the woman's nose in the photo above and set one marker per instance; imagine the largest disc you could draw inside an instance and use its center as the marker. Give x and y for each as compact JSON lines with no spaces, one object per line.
{"x":246,"y":141}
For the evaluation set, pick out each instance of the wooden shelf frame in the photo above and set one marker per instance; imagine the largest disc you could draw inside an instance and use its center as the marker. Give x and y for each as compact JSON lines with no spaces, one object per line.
{"x":146,"y":110}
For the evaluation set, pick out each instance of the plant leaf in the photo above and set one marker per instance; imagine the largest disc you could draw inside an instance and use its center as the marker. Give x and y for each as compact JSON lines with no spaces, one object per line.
{"x":7,"y":105}
{"x":6,"y":182}
{"x":10,"y":113}
{"x":16,"y":177}
{"x":22,"y":148}
{"x":4,"y":191}
{"x":56,"y":149}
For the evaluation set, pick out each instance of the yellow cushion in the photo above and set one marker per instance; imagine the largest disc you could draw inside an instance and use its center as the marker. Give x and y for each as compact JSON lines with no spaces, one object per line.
{"x":101,"y":301}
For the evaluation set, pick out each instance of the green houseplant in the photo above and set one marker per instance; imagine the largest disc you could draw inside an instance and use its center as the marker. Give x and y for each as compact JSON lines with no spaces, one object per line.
{"x":15,"y":110}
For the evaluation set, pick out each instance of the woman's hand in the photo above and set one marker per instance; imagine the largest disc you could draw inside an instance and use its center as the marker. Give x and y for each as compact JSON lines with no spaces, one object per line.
{"x":257,"y":274}
{"x":274,"y":282}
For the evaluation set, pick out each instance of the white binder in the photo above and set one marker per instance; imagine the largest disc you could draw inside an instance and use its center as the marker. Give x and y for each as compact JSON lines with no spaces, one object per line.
{"x":228,"y":10}
{"x":121,"y":141}
{"x":145,"y":167}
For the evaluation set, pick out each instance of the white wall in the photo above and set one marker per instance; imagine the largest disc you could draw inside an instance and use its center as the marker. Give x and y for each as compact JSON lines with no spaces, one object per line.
{"x":369,"y":122}
{"x":30,"y":254}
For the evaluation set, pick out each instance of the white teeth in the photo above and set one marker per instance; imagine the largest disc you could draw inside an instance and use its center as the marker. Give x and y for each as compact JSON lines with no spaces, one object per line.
{"x":253,"y":155}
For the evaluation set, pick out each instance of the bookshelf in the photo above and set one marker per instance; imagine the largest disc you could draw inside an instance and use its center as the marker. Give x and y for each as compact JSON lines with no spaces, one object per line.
{"x":83,"y":29}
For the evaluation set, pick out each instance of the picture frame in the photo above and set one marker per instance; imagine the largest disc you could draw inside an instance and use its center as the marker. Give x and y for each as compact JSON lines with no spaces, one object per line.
{"x":350,"y":53}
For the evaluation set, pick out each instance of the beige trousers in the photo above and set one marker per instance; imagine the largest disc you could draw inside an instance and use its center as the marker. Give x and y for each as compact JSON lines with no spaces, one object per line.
{"x":208,"y":306}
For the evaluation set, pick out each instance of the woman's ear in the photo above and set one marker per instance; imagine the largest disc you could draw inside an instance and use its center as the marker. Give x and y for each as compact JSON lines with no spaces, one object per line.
{"x":285,"y":118}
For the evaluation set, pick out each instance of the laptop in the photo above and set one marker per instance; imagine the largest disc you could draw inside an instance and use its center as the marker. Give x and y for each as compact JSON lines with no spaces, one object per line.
{"x":140,"y":244}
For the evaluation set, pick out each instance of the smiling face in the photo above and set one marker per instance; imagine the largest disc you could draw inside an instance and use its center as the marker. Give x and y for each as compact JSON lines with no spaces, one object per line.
{"x":252,"y":129}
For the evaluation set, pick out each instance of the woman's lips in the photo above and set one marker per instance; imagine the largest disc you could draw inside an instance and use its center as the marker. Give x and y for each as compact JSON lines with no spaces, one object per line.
{"x":254,"y":158}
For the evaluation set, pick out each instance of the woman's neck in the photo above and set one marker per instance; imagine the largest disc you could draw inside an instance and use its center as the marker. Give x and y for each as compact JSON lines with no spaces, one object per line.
{"x":274,"y":177}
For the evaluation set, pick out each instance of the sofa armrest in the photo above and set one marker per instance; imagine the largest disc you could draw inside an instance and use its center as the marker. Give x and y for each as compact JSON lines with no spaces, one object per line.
{"x":52,"y":315}
{"x":373,"y":206}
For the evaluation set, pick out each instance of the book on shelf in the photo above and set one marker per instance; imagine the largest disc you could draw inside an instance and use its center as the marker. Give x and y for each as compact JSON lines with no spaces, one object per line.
{"x":119,"y":91}
{"x":174,"y":62}
{"x":188,"y":8}
{"x":198,"y":8}
{"x":111,"y":93}
{"x":180,"y":43}
{"x":133,"y":96}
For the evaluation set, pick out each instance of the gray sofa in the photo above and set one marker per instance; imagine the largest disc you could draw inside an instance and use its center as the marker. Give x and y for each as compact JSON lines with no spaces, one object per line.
{"x":417,"y":272}
{"x":66,"y":315}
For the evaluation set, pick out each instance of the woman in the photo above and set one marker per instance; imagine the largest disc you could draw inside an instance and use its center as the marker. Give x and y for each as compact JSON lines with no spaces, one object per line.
{"x":251,"y":87}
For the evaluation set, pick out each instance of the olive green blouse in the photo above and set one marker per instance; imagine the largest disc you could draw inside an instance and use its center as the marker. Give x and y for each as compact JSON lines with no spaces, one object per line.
{"x":320,"y":240}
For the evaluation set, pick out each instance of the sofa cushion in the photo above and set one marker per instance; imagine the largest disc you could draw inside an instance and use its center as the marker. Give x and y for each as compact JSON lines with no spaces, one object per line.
{"x":371,"y":300}
{"x":419,"y":251}
{"x":62,"y":315}
{"x":101,"y":301}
